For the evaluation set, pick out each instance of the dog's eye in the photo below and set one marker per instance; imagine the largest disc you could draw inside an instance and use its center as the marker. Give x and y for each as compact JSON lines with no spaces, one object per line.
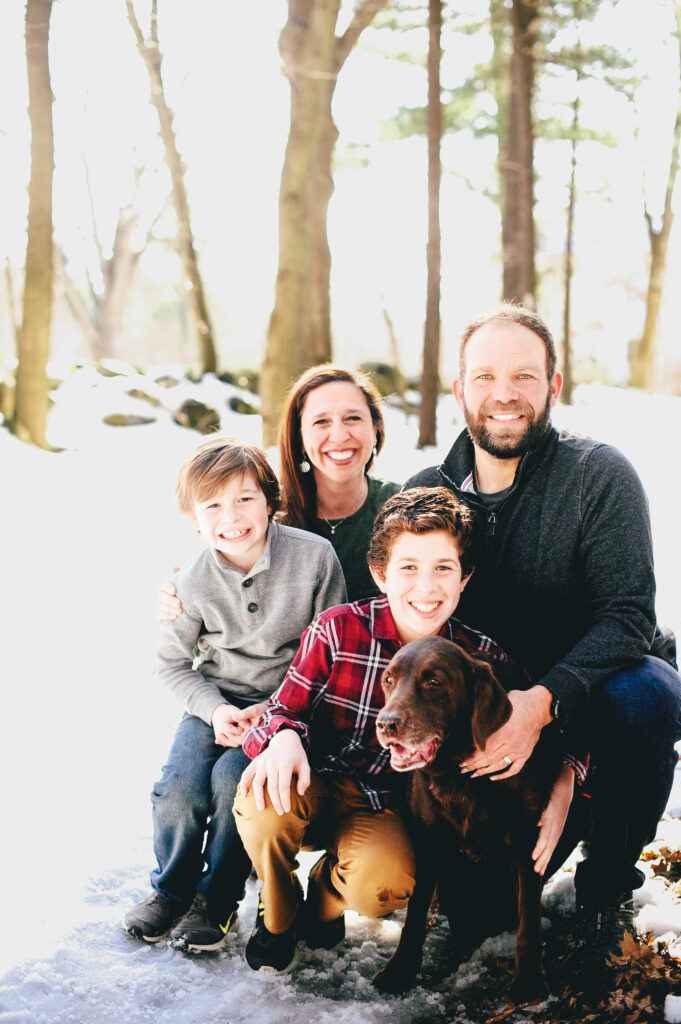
{"x":387,"y":680}
{"x":431,"y":684}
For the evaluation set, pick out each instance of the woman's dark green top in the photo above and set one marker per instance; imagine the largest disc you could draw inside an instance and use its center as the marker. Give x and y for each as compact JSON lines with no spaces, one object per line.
{"x":352,"y":536}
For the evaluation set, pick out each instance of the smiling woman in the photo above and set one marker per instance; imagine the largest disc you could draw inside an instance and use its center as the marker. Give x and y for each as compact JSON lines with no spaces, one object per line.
{"x":332,"y":429}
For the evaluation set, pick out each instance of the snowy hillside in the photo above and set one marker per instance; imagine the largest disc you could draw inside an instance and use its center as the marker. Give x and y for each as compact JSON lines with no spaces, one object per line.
{"x":87,"y":535}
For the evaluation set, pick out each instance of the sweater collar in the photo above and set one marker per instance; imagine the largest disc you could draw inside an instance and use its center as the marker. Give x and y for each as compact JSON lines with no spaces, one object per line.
{"x":459,"y":461}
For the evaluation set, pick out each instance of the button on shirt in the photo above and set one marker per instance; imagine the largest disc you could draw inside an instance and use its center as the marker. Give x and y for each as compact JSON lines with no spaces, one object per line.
{"x":239,"y":631}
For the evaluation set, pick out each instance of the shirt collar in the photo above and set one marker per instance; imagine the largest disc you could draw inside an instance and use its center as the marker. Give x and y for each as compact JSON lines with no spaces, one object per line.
{"x":383,"y":625}
{"x":382,"y":622}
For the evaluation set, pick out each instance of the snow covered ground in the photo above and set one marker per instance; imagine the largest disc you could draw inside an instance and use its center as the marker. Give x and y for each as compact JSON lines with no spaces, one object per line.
{"x":86,"y":536}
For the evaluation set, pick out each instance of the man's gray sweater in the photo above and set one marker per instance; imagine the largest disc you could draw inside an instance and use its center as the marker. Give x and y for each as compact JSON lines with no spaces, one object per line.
{"x":239,"y":630}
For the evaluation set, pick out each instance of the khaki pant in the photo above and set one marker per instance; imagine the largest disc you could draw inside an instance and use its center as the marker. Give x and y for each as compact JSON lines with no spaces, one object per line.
{"x":369,"y":862}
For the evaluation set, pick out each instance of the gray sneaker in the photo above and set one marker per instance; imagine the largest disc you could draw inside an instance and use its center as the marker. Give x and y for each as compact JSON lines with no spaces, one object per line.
{"x":201,"y":930}
{"x":152,"y":919}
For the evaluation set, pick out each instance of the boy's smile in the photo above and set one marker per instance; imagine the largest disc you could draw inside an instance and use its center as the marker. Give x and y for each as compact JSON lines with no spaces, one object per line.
{"x":234,"y":521}
{"x":422,"y":582}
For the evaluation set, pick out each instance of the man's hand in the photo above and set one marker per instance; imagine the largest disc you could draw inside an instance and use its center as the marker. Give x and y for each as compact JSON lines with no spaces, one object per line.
{"x":552,"y":820}
{"x":274,"y":769}
{"x":227,"y":726}
{"x":169,"y":604}
{"x":507,"y":749}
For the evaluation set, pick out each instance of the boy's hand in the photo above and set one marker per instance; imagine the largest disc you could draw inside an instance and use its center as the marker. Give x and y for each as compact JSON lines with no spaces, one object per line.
{"x":552,"y":820}
{"x":249,"y":716}
{"x":274,"y":769}
{"x":169,"y":604}
{"x":226,"y":726}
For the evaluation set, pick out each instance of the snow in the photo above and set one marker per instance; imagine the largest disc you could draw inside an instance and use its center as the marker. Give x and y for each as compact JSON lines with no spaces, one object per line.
{"x":87,"y":536}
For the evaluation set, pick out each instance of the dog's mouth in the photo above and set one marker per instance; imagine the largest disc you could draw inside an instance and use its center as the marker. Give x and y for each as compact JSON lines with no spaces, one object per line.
{"x":405,"y":759}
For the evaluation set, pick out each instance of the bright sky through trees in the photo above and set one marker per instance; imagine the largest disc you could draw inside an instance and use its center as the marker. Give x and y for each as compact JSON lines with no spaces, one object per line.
{"x":223,"y":80}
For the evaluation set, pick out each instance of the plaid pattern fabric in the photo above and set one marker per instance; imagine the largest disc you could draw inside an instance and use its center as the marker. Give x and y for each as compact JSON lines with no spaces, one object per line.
{"x":334,"y":683}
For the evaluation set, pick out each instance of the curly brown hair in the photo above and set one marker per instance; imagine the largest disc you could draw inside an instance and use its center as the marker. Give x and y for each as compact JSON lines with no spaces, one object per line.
{"x":210,"y":466}
{"x":421,"y":510}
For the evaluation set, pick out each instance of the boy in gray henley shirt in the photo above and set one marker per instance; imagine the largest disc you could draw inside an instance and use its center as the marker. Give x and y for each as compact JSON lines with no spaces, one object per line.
{"x":247,"y":598}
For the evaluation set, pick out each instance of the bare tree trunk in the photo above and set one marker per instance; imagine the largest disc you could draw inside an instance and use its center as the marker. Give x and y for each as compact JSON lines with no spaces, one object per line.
{"x":99,"y":313}
{"x":30,"y":417}
{"x":307,"y":45}
{"x":299,"y":331}
{"x":400,"y":379}
{"x":642,"y":360}
{"x":151,"y":54}
{"x":117,"y":272}
{"x":568,"y":378}
{"x":12,"y":303}
{"x":78,"y":307}
{"x":517,"y":228}
{"x":430,"y":372}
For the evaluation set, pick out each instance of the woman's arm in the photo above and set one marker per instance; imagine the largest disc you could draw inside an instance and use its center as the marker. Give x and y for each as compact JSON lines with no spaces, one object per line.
{"x":552,"y":820}
{"x":169,"y":604}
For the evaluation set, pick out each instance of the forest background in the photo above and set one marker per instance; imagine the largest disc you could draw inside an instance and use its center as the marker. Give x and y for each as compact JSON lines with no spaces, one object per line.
{"x":557,"y":160}
{"x":488,"y":148}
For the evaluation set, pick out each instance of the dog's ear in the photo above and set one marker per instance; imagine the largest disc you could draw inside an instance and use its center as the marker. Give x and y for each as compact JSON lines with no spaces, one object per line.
{"x":491,"y":706}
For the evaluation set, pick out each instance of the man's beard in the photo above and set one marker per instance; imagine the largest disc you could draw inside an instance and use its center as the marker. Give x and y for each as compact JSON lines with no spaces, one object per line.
{"x":512,"y":444}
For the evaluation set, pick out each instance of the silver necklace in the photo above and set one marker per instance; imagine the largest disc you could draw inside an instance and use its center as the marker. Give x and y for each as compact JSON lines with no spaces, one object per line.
{"x":334,"y":526}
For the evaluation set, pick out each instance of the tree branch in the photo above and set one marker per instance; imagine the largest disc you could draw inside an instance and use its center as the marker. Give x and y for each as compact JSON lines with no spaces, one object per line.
{"x":11,"y":302}
{"x":93,"y":219}
{"x":362,"y":18}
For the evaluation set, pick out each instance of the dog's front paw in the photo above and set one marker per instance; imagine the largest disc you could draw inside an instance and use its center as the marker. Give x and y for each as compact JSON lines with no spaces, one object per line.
{"x":529,"y":987}
{"x":396,"y":976}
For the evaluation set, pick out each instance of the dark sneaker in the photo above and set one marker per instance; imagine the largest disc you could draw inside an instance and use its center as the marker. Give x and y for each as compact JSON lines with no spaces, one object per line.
{"x":152,"y":919}
{"x":315,"y":933}
{"x":268,"y":952}
{"x":322,"y":934}
{"x":202,"y":931}
{"x":601,"y":928}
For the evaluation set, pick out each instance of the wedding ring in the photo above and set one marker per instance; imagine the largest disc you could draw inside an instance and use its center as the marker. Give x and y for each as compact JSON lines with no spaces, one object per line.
{"x":507,"y":761}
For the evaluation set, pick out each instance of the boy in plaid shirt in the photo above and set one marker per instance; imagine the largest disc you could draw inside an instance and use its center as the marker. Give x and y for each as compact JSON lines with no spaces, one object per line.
{"x":319,"y":727}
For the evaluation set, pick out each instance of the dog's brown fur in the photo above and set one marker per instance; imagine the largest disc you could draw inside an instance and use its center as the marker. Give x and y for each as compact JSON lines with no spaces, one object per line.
{"x":445,"y":702}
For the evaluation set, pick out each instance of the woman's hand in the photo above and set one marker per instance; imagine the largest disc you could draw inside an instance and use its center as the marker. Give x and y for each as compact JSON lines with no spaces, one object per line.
{"x":552,"y":820}
{"x":169,"y":604}
{"x":274,"y":769}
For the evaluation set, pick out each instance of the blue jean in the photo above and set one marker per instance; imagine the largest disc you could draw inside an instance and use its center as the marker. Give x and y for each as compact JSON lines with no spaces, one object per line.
{"x":635,"y":720}
{"x":193,"y":801}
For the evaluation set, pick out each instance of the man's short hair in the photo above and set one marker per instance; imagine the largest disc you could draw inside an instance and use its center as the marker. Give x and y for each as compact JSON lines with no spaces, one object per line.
{"x":211,"y":465}
{"x":511,"y":313}
{"x":421,"y":510}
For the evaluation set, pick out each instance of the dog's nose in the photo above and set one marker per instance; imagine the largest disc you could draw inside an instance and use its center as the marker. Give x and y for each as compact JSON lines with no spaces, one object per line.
{"x":389,"y":721}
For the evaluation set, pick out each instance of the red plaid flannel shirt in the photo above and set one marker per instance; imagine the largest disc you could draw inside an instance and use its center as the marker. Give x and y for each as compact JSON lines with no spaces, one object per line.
{"x":331,"y":694}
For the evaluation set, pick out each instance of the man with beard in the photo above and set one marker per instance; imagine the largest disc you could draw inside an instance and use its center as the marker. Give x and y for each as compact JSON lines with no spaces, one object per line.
{"x":565,"y":583}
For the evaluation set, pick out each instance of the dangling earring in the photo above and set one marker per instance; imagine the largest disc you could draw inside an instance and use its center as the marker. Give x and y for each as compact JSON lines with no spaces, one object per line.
{"x":305,"y":466}
{"x":374,"y":451}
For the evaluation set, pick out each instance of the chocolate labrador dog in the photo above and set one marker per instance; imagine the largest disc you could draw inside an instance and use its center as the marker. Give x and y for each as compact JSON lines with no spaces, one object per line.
{"x":440,"y":703}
